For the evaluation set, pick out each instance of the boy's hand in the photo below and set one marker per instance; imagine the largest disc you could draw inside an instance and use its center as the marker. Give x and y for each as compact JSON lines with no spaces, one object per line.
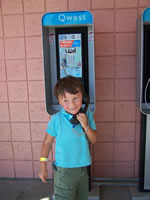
{"x":83,"y":120}
{"x":90,"y":133}
{"x":43,"y":174}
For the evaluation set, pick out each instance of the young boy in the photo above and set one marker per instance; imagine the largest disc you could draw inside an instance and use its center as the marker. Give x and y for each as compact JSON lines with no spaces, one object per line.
{"x":72,"y":155}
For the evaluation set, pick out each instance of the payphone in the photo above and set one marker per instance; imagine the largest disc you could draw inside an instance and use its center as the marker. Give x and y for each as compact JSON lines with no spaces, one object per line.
{"x":68,"y":49}
{"x":143,"y":95}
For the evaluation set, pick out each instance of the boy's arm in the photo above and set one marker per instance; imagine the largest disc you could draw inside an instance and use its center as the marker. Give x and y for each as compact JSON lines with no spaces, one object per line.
{"x":91,"y":135}
{"x":46,"y":146}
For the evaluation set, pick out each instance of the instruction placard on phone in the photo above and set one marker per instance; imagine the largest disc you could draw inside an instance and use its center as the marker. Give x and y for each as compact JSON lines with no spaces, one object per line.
{"x":70,"y":55}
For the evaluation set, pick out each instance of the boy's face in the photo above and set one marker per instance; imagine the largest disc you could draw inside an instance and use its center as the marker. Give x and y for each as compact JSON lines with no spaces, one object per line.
{"x":71,"y":102}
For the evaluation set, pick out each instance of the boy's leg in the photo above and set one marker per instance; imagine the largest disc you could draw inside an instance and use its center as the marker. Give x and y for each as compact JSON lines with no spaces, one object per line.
{"x":83,"y":186}
{"x":65,"y":184}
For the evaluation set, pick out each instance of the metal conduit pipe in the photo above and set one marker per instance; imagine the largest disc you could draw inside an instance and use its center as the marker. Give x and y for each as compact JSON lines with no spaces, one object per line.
{"x":115,"y":181}
{"x":120,"y":184}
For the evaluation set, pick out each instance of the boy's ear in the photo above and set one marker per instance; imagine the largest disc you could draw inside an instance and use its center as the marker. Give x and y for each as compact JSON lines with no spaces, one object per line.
{"x":59,"y":101}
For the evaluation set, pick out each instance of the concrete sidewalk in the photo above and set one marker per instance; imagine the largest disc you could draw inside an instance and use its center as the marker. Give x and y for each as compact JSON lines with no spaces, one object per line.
{"x":34,"y":189}
{"x":25,"y":189}
{"x":120,"y":192}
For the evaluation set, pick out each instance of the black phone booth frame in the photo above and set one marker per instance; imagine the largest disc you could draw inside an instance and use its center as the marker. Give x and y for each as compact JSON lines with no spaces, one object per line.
{"x":74,"y":30}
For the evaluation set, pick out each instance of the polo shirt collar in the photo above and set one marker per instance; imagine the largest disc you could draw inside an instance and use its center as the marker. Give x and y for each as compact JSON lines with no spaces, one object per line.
{"x":66,"y":114}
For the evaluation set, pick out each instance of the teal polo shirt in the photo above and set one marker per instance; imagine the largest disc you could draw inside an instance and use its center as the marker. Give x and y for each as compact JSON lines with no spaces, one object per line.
{"x":71,"y":150}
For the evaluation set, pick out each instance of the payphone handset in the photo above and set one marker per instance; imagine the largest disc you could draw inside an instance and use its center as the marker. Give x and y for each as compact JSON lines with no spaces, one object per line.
{"x":86,"y":100}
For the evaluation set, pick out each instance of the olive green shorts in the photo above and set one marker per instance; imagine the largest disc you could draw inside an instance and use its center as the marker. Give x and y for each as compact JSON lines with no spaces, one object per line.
{"x":71,"y":183}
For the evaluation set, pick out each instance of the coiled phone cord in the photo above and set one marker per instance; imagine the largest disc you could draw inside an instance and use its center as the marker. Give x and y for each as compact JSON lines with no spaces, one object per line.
{"x":84,"y":132}
{"x":146,"y":93}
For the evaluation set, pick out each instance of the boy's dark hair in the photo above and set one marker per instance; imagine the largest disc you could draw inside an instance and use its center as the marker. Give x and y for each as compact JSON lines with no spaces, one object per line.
{"x":68,"y":84}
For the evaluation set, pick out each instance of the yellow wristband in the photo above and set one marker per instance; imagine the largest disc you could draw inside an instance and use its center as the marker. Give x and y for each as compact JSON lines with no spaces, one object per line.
{"x":42,"y":159}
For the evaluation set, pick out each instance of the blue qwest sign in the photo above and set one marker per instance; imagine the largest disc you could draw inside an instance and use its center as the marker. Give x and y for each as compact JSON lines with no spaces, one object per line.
{"x":62,"y":18}
{"x":146,"y":15}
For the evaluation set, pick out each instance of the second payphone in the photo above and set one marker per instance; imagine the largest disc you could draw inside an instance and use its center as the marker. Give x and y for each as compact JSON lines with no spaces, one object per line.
{"x":143,"y":95}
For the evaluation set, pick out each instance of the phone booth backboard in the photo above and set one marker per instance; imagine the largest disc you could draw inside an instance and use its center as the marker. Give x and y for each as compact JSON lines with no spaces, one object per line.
{"x":68,"y":49}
